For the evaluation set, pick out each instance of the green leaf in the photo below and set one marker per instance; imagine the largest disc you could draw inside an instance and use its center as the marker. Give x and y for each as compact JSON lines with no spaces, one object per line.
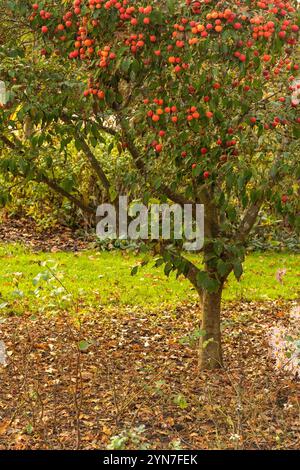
{"x":238,"y":270}
{"x":84,"y":345}
{"x":181,"y":401}
{"x":222,"y":267}
{"x":134,"y":270}
{"x":159,"y":262}
{"x":171,"y":6}
{"x":206,"y":282}
{"x":168,"y":268}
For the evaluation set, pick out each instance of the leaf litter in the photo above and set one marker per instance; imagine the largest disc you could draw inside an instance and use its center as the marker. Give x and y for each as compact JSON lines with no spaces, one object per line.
{"x":77,"y":382}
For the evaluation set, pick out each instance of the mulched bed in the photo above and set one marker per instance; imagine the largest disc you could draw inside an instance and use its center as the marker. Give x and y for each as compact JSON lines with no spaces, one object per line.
{"x":135,"y":372}
{"x":26,"y":231}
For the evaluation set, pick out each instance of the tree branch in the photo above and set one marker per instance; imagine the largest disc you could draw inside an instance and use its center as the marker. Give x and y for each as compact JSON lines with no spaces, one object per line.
{"x":175,"y":197}
{"x":93,"y":161}
{"x":42,"y":178}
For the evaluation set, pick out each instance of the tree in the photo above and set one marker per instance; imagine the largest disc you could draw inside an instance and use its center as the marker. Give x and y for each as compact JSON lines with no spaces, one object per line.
{"x":199,"y":94}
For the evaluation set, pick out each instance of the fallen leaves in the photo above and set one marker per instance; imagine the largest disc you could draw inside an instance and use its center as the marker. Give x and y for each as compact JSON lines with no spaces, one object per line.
{"x":136,"y":370}
{"x":27,"y":232}
{"x":4,"y":425}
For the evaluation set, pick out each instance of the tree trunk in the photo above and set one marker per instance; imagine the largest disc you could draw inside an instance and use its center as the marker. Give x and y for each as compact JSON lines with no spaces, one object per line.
{"x":210,"y":346}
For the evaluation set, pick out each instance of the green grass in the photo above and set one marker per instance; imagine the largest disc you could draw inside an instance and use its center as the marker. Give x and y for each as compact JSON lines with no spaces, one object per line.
{"x":104,"y":279}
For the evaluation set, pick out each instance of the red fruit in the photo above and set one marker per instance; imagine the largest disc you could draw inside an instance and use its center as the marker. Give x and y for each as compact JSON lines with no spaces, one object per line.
{"x":44,"y":29}
{"x":162,"y":133}
{"x":209,"y":114}
{"x":284,"y":199}
{"x":206,"y":175}
{"x":204,"y":151}
{"x":155,"y":118}
{"x":266,"y":58}
{"x":194,"y":165}
{"x":158,"y":148}
{"x":253,"y":120}
{"x":101,"y":94}
{"x":35,"y":6}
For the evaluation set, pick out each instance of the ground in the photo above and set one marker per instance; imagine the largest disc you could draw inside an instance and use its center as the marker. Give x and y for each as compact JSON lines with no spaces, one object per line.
{"x":98,"y":358}
{"x":137,"y":369}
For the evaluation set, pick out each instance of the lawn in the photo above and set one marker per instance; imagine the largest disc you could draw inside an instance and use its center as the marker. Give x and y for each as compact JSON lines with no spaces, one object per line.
{"x":103,"y":279}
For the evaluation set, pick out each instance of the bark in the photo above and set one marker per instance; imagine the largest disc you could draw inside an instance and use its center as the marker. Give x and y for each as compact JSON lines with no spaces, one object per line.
{"x":94,"y":162}
{"x":211,"y":346}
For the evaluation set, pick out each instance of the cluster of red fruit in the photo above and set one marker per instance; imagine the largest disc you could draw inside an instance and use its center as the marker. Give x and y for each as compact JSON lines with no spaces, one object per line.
{"x":137,"y":29}
{"x":84,"y":47}
{"x":219,"y":18}
{"x":192,"y":112}
{"x":94,"y":90}
{"x":136,"y":42}
{"x":156,"y":115}
{"x":279,"y":7}
{"x":125,"y":11}
{"x":45,"y":15}
{"x":264,"y":30}
{"x":178,"y":65}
